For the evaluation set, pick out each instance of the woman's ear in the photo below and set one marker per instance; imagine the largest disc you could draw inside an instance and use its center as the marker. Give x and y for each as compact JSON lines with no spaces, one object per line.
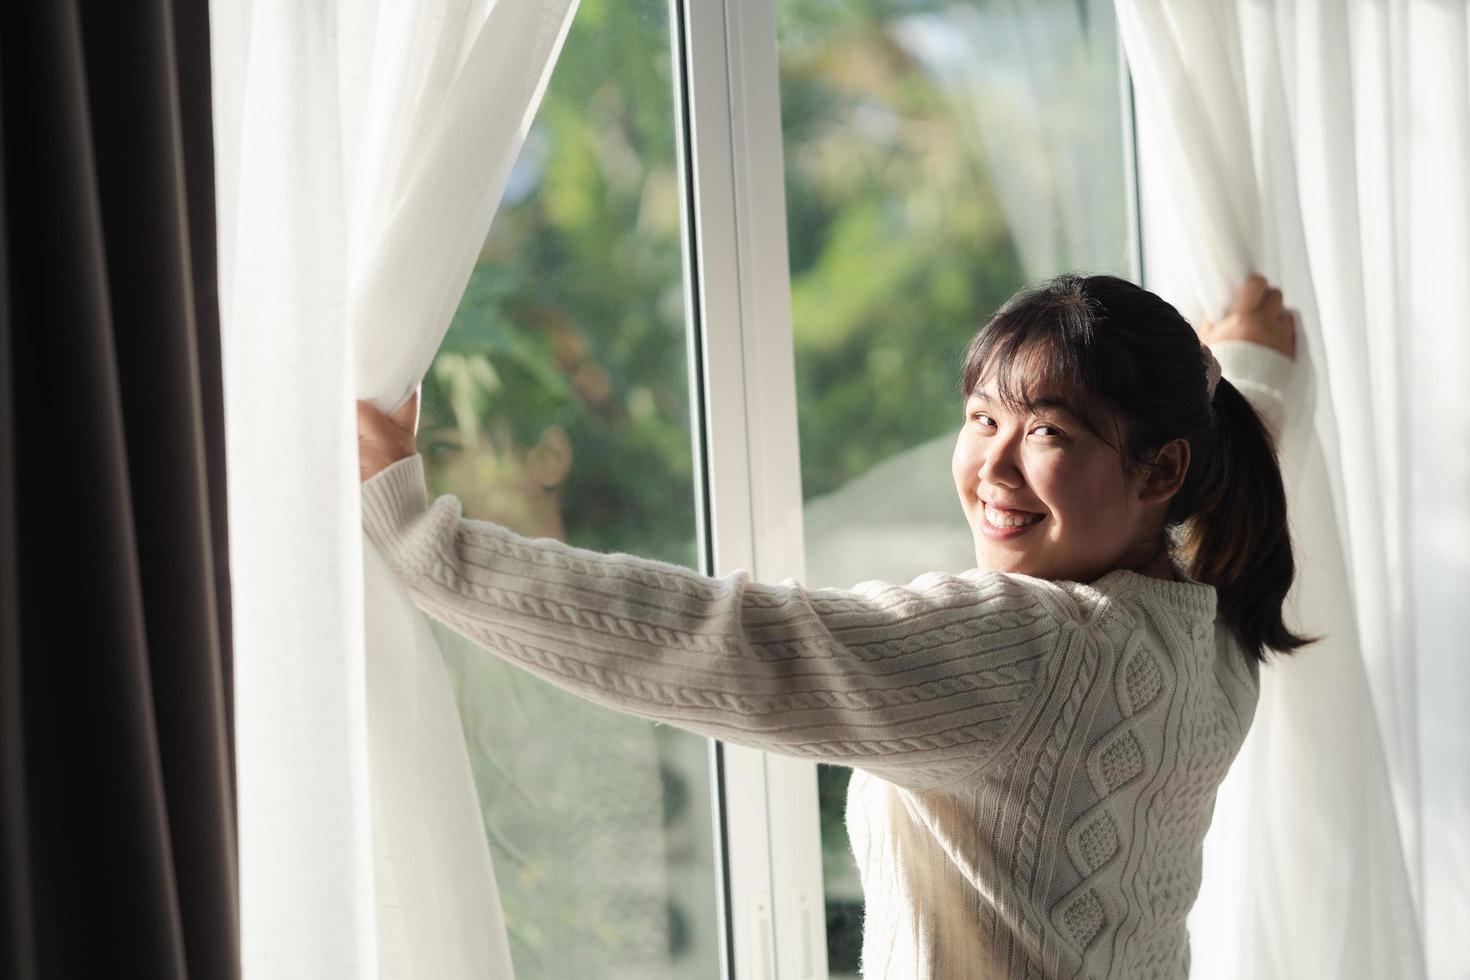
{"x":549,"y":461}
{"x":1166,"y":472}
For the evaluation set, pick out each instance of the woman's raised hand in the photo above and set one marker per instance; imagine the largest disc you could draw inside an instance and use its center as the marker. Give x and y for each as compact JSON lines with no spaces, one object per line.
{"x":1256,"y":314}
{"x":384,"y":439}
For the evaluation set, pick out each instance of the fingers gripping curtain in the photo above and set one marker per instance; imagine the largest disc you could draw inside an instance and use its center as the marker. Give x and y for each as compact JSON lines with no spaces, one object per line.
{"x":1282,"y":138}
{"x":363,"y":148}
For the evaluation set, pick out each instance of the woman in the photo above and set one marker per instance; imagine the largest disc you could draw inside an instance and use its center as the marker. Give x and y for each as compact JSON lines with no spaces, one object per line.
{"x":1038,"y":741}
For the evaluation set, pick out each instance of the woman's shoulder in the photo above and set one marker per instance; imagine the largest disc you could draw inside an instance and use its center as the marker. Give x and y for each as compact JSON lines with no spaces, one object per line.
{"x":1131,"y":603}
{"x":1189,"y":598}
{"x":1117,"y":593}
{"x":1116,"y":599}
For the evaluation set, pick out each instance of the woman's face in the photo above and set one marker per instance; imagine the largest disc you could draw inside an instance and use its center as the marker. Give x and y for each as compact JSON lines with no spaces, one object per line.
{"x":1078,"y":515}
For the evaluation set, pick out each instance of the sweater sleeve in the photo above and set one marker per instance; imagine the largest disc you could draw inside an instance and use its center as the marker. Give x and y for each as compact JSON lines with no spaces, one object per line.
{"x":1261,"y":373}
{"x":915,"y":683}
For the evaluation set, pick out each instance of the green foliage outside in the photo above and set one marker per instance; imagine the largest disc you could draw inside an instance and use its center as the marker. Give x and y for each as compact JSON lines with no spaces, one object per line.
{"x":579,"y":292}
{"x":898,"y":253}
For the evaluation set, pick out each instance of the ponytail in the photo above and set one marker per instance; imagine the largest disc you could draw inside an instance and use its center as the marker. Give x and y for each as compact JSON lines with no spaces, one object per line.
{"x":1236,"y":536}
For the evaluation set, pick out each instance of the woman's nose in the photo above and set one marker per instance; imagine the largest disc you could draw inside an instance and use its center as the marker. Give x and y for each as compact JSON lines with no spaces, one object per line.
{"x":999,"y":465}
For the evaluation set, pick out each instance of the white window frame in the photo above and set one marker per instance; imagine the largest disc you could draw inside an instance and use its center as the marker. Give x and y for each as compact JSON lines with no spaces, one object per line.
{"x":740,"y":304}
{"x":743,"y":385}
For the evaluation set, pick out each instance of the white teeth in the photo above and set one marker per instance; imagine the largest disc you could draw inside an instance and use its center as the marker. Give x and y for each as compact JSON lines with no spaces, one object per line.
{"x":994,"y":519}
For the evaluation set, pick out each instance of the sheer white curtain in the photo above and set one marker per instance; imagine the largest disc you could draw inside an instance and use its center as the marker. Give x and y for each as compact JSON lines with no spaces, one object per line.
{"x":361,"y":151}
{"x":1326,"y":143}
{"x":1034,"y":85}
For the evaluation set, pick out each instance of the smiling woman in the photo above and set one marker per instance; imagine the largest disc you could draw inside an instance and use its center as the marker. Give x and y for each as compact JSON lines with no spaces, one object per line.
{"x":1039,"y":754}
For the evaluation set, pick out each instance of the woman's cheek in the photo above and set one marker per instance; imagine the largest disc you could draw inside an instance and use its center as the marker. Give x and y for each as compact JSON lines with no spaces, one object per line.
{"x":964,"y":465}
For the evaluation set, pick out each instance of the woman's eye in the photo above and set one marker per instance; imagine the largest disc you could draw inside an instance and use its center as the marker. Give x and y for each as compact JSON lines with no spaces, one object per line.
{"x":981,"y":418}
{"x":1052,"y":433}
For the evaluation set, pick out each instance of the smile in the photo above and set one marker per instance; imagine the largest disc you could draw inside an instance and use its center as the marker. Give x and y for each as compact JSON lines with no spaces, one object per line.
{"x":1001,"y":523}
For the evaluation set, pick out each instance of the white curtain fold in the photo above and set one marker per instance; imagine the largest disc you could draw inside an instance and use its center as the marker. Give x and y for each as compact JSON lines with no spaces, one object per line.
{"x":362,"y":149}
{"x":1032,"y":85}
{"x":1290,"y":138}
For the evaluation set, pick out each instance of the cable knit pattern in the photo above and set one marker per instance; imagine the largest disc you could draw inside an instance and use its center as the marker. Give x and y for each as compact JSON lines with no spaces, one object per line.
{"x":1037,"y":760}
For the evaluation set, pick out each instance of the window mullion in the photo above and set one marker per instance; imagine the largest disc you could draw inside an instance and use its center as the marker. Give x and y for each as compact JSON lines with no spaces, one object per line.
{"x":775,"y":479}
{"x":749,"y":445}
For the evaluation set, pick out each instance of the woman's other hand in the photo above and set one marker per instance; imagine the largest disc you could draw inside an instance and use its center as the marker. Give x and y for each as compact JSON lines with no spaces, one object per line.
{"x":1256,"y":314}
{"x":383,"y":440}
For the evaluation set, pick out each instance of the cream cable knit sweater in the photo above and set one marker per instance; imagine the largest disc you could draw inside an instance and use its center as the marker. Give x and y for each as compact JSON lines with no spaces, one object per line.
{"x":1036,"y":761}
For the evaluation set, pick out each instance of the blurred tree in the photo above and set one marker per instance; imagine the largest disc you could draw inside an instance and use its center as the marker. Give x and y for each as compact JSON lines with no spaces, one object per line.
{"x":575,"y":313}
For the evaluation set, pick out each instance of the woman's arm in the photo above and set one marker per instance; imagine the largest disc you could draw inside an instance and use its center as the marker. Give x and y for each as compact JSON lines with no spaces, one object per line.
{"x":1255,"y":343}
{"x":915,"y":683}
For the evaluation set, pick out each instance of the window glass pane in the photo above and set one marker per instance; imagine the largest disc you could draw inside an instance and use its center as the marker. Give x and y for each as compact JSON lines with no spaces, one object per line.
{"x":559,"y":406}
{"x":939,"y":155}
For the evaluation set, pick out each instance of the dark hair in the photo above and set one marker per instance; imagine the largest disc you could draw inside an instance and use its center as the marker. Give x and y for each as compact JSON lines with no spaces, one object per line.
{"x":1131,"y":368}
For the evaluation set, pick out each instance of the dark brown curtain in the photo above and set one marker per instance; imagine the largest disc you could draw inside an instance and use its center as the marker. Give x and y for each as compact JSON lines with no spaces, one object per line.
{"x":117,"y":830}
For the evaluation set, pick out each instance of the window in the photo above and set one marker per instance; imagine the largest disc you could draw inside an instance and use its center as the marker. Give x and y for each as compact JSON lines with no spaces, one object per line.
{"x":559,"y":406}
{"x":938,"y":156}
{"x":649,"y":329}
